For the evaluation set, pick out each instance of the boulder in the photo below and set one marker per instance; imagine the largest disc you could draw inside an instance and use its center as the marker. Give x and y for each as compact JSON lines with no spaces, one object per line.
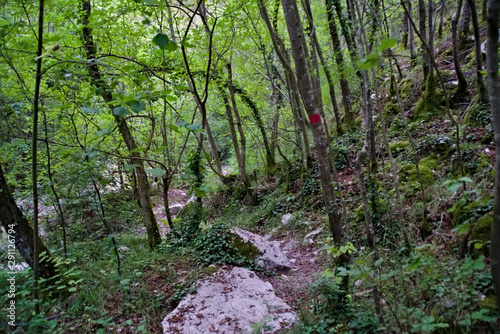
{"x":266,"y":254}
{"x":175,"y":208}
{"x":230,"y":302}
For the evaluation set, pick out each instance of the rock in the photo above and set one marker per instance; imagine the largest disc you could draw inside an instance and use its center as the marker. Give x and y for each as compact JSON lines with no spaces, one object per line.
{"x":291,"y":245}
{"x":230,"y":302}
{"x":308,"y":239}
{"x":266,"y":254}
{"x":287,"y":218}
{"x":123,"y":249}
{"x":174,"y":209}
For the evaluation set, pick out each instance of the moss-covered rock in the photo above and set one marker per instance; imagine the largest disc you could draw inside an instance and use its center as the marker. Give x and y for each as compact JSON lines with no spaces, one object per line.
{"x":429,"y":162}
{"x":489,"y":302}
{"x":398,"y":146}
{"x":409,"y":173}
{"x":482,"y":228}
{"x":430,"y":103}
{"x":406,"y":86}
{"x":392,"y":107}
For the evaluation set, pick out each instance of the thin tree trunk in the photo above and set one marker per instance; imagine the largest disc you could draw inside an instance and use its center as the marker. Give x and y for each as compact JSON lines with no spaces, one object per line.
{"x":153,"y":232}
{"x":270,"y":163}
{"x":370,"y":235}
{"x":494,"y":95}
{"x":423,"y":33}
{"x":291,"y":81}
{"x":339,"y":59}
{"x":462,"y":83}
{"x":57,"y":206}
{"x":297,"y":40}
{"x":243,"y":141}
{"x":481,"y":86}
{"x":34,"y":160}
{"x":213,"y":146}
{"x":464,"y":27}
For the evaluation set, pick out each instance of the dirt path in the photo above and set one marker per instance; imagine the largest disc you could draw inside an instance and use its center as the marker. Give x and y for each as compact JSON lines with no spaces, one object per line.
{"x":293,"y":285}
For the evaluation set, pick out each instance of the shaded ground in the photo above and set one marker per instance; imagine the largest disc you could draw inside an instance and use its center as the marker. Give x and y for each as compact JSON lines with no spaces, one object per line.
{"x":293,"y":285}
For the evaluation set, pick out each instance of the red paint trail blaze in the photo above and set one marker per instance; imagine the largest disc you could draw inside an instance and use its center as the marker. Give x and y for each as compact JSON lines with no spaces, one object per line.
{"x":316,"y":118}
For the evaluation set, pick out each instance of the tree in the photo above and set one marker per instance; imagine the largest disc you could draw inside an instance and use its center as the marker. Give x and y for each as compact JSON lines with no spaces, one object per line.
{"x":13,"y":220}
{"x":494,"y":95}
{"x":153,"y":232}
{"x":299,"y":51}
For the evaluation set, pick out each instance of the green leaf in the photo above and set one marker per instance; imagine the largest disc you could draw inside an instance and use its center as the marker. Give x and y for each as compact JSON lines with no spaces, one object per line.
{"x":120,"y":111}
{"x":73,"y":289}
{"x":371,"y":61}
{"x":171,"y":46}
{"x":137,"y":106}
{"x":465,"y":179}
{"x":200,"y":193}
{"x":128,"y":168}
{"x":161,"y":40}
{"x":478,"y":264}
{"x":194,"y":127}
{"x":387,"y":43}
{"x":138,"y":149}
{"x":186,"y":45}
{"x":156,"y":172}
{"x":205,"y":189}
{"x":171,"y":98}
{"x":103,"y":132}
{"x":89,"y":110}
{"x":174,"y":127}
{"x":180,"y":87}
{"x":182,"y":123}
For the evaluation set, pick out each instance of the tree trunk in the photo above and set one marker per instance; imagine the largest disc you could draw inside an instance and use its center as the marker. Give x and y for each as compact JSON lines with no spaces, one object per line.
{"x":481,"y":86}
{"x":243,"y":141}
{"x":339,"y":58}
{"x":270,"y":162}
{"x":213,"y":146}
{"x":291,"y":82}
{"x":464,"y":27}
{"x":19,"y":230}
{"x":494,"y":94}
{"x":422,"y":27}
{"x":297,"y":40}
{"x":153,"y":232}
{"x":462,"y":83}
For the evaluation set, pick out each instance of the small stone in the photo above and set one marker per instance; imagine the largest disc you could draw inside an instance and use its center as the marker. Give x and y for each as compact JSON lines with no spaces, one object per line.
{"x":286,"y":218}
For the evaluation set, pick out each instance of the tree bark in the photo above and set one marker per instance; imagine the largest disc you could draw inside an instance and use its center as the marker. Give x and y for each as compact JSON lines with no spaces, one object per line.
{"x":153,"y":232}
{"x":481,"y":86}
{"x":339,"y":59}
{"x":494,"y":95}
{"x":297,"y":39}
{"x":13,"y":220}
{"x":464,"y":27}
{"x":462,"y":83}
{"x":423,"y":33}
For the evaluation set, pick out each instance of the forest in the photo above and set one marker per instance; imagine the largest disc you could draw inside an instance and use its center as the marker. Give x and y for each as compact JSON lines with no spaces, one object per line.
{"x":150,"y":151}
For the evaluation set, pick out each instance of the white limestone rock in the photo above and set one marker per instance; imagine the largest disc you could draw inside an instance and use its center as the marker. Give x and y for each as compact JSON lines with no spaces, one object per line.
{"x":230,"y":302}
{"x":268,"y":255}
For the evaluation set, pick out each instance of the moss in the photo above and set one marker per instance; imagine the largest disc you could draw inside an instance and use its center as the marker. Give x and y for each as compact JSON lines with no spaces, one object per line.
{"x":210,"y":270}
{"x":429,"y":162}
{"x":477,"y":114}
{"x":430,"y":103}
{"x":482,"y":228}
{"x":489,"y":302}
{"x":405,"y":87}
{"x":398,"y":146}
{"x":247,"y":249}
{"x":392,"y":108}
{"x":409,"y":174}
